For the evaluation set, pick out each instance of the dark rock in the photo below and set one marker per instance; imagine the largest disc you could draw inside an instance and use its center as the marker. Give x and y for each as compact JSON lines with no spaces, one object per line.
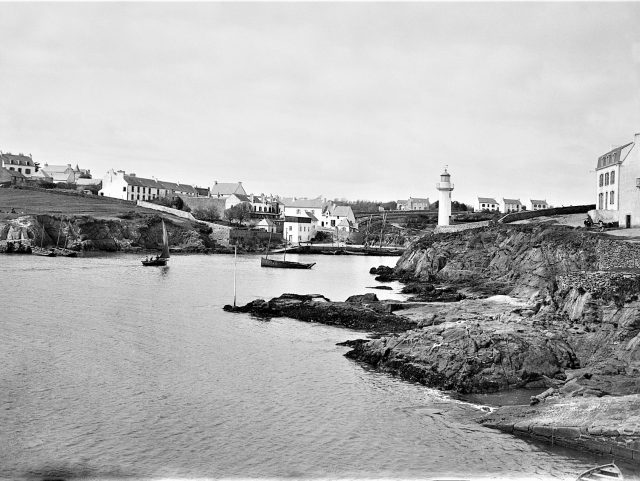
{"x":363,"y":298}
{"x":382,"y":288}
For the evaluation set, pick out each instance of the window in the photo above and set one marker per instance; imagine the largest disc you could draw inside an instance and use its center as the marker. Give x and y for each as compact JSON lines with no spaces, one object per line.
{"x":27,"y":171}
{"x":600,"y":200}
{"x":611,"y":198}
{"x":124,"y":189}
{"x":606,"y":178}
{"x":601,"y":177}
{"x":19,"y":169}
{"x":613,"y":177}
{"x":11,"y":168}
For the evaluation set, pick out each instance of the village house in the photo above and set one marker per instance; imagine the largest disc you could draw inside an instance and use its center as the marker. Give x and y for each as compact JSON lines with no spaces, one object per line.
{"x":298,"y":206}
{"x":511,"y":205}
{"x":21,"y":163}
{"x":224,"y":190}
{"x":117,"y":184}
{"x":618,"y":183}
{"x":487,"y":203}
{"x":340,"y":216}
{"x":413,"y":203}
{"x":537,"y":204}
{"x":61,"y":174}
{"x":299,"y":228}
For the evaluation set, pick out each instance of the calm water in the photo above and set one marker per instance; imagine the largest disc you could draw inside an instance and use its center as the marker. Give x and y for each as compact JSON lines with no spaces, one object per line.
{"x":112,"y":370}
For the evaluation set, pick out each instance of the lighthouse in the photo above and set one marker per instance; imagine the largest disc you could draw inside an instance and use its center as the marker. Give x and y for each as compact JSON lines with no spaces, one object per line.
{"x":444,"y":203}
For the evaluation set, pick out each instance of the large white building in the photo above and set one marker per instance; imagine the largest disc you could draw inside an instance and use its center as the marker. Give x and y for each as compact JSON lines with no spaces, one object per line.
{"x":116,"y":183}
{"x":618,"y":182}
{"x":511,"y":205}
{"x":299,"y":228}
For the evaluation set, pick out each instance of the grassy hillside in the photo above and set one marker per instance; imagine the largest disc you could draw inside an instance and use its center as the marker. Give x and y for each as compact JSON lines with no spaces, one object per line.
{"x":32,"y":202}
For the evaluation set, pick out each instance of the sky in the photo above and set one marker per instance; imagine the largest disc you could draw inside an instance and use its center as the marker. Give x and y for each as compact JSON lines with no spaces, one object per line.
{"x":344,"y":100}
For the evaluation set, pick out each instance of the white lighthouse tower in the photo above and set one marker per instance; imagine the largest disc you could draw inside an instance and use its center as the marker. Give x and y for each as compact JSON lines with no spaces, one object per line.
{"x":444,"y":203}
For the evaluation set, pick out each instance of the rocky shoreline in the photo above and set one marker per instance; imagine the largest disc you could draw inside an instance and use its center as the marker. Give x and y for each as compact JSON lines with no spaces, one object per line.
{"x":570,"y":327}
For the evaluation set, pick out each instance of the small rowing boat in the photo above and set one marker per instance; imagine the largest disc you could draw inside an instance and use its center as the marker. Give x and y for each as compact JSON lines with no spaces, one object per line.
{"x":601,"y":473}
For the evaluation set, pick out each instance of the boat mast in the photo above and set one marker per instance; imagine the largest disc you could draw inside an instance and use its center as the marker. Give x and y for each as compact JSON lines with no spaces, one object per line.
{"x":384,"y":219}
{"x":235,"y":262}
{"x":58,"y":239}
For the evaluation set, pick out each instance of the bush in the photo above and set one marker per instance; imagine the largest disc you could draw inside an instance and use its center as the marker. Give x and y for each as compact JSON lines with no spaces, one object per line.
{"x":207,"y":214}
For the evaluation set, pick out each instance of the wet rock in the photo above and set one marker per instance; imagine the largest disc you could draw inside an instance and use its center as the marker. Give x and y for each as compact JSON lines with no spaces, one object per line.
{"x":363,"y":298}
{"x":373,"y":315}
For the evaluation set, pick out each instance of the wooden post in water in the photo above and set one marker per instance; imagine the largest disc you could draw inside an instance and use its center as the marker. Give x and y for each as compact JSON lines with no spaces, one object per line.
{"x":235,"y":259}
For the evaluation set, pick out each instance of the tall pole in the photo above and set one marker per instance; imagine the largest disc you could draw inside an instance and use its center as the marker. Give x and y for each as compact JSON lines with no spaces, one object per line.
{"x":235,"y":262}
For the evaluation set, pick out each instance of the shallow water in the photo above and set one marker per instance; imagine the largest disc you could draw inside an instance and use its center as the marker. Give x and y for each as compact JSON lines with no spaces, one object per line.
{"x":112,"y":370}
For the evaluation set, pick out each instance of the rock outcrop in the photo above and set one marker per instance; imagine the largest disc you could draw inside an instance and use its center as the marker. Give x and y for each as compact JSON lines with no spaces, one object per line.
{"x":131,"y":232}
{"x":359,"y":312}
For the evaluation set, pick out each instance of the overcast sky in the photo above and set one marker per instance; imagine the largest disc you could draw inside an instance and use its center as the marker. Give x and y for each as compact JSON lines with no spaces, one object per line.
{"x":355,"y":100}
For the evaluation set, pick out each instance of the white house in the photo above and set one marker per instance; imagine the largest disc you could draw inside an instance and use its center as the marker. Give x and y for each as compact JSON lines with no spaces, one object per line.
{"x":487,"y":203}
{"x":537,"y":204}
{"x":21,"y":163}
{"x":618,"y":182}
{"x":60,"y":173}
{"x":293,"y":207}
{"x":299,"y":228}
{"x":338,"y":216}
{"x":116,"y":183}
{"x":511,"y":205}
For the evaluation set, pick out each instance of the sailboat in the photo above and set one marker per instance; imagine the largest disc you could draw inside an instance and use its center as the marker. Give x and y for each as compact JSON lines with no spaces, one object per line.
{"x":162,"y":259}
{"x":606,"y":471}
{"x":284,"y":263}
{"x":63,"y":251}
{"x":40,"y":250}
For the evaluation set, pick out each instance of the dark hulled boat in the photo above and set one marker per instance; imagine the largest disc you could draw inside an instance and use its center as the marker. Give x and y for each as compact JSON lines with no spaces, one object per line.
{"x":162,"y":259}
{"x":266,"y":262}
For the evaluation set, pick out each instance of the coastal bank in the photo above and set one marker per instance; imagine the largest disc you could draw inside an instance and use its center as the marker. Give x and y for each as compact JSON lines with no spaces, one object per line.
{"x":547,"y":308}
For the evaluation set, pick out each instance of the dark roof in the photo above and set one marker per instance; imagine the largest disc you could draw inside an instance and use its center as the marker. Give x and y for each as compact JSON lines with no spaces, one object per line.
{"x":304,"y":203}
{"x":512,"y":201}
{"x":311,"y":216}
{"x":18,"y":159}
{"x":533,"y":201}
{"x":243,"y":198}
{"x":9,"y":174}
{"x":202,"y":191}
{"x":142,"y":182}
{"x":612,"y":157}
{"x":486,"y":200}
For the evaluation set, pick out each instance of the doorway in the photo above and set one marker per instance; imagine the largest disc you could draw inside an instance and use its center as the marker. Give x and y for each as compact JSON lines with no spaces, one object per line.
{"x":628,"y":221}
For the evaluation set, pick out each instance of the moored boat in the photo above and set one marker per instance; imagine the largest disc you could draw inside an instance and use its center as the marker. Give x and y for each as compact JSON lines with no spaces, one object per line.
{"x":600,"y":473}
{"x":266,"y":262}
{"x":41,"y":251}
{"x":64,"y":252}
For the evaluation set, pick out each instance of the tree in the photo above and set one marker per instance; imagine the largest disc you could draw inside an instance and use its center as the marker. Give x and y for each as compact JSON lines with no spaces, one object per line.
{"x":207,"y":213}
{"x":240,"y":212}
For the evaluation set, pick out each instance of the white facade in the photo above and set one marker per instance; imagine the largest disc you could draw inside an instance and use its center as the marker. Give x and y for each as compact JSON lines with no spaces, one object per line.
{"x":266,"y":225}
{"x":624,"y":163}
{"x":511,"y":205}
{"x":298,"y":229}
{"x":340,"y":216}
{"x":444,"y":202}
{"x":297,"y":207}
{"x":487,"y":203}
{"x":539,"y":204}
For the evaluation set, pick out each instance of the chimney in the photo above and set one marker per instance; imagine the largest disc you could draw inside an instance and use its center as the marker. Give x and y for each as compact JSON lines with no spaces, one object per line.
{"x":215,"y":182}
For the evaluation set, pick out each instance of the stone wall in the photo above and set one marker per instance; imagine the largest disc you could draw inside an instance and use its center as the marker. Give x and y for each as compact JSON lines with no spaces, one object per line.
{"x":599,"y":283}
{"x":441,"y":229}
{"x":618,"y":255}
{"x":530,"y":214}
{"x":168,"y":210}
{"x":220,"y":233}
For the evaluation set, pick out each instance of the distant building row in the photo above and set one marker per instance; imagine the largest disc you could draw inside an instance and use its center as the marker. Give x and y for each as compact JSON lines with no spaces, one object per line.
{"x":23,"y":167}
{"x":509,"y":205}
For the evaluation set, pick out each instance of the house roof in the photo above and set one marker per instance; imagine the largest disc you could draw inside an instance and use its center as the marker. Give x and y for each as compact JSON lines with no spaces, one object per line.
{"x":268,"y":222}
{"x":242,"y":197}
{"x":56,"y":169}
{"x":311,"y":216}
{"x":316,"y":203}
{"x":402,"y":201}
{"x":512,"y":201}
{"x":8,"y":174}
{"x":142,"y":182}
{"x":298,"y":219}
{"x":419,"y":199}
{"x":17,"y":159}
{"x":614,"y":156}
{"x":202,"y":191}
{"x":341,"y":211}
{"x":227,"y":188}
{"x":533,"y":201}
{"x":486,"y":200}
